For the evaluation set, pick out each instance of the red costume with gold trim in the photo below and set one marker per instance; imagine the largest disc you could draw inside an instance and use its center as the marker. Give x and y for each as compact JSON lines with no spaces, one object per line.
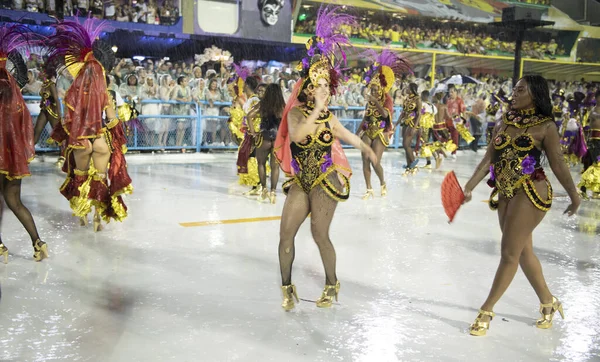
{"x":85,"y":121}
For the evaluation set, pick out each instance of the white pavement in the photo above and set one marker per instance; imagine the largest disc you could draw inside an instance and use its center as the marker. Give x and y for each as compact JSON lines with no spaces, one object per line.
{"x":150,"y":289}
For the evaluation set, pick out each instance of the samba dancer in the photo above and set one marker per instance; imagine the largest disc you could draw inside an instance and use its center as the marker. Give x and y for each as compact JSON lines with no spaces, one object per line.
{"x":377,"y":127}
{"x":309,"y":151}
{"x":16,"y":133}
{"x":95,"y":162}
{"x":522,"y":193}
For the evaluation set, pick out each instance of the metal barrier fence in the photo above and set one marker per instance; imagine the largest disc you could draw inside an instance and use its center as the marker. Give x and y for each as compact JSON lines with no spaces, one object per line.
{"x":172,"y":125}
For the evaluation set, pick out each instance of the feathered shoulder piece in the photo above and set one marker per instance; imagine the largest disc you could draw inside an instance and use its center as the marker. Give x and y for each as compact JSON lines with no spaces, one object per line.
{"x":386,"y":66}
{"x":321,"y":49}
{"x":75,"y":43}
{"x":15,"y":38}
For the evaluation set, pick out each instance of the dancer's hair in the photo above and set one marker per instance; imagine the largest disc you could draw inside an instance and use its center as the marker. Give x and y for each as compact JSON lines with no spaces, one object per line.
{"x":252,"y":83}
{"x":425,"y":94}
{"x":540,"y":93}
{"x":414,"y":88}
{"x":271,"y":106}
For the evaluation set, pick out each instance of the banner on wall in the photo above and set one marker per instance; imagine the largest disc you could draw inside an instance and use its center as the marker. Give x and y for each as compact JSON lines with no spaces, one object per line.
{"x":268,"y":20}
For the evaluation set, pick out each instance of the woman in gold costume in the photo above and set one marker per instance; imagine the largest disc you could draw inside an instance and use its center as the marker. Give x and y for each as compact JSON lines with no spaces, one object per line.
{"x":590,"y":179}
{"x":521,"y":192}
{"x":409,"y":119}
{"x":377,"y":126}
{"x":309,"y":151}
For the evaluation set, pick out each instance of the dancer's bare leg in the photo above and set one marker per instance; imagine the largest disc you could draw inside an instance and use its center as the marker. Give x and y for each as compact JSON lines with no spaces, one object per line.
{"x":295,"y":211}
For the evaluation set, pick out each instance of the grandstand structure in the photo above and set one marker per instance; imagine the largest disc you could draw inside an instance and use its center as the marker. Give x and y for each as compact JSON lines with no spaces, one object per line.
{"x":571,"y":66}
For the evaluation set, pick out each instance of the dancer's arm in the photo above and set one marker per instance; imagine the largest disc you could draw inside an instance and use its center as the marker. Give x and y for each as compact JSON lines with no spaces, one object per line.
{"x":418,"y":111}
{"x":341,"y":132}
{"x":551,"y":145}
{"x":482,"y":169}
{"x":250,"y":118}
{"x":54,"y":93}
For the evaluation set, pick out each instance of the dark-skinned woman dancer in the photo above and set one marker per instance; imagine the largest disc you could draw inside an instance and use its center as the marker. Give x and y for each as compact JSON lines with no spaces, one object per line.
{"x":522,"y":193}
{"x":409,"y":120}
{"x":377,"y":126}
{"x":309,"y":151}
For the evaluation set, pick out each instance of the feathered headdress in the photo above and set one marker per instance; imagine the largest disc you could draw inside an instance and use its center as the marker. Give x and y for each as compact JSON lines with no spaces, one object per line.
{"x":236,"y":81}
{"x":497,"y":100}
{"x":75,"y":43}
{"x":320,"y":62}
{"x":13,"y":38}
{"x":385,"y":68}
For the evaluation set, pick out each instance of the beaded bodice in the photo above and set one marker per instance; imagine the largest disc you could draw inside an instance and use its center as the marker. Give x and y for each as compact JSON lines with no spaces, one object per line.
{"x":516,"y":159}
{"x":375,"y":121}
{"x":311,"y":159}
{"x":410,"y":106}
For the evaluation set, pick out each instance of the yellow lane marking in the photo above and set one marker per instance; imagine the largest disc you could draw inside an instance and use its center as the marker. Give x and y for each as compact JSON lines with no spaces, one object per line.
{"x":230,"y":221}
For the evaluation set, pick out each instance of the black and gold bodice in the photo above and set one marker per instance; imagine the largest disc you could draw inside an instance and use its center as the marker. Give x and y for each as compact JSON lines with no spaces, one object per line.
{"x":312,"y":163}
{"x":516,"y":161}
{"x":410,"y":111}
{"x":48,"y":103}
{"x":375,"y":124}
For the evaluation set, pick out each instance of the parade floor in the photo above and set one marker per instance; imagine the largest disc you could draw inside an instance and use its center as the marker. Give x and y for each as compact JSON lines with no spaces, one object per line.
{"x":193,"y":275}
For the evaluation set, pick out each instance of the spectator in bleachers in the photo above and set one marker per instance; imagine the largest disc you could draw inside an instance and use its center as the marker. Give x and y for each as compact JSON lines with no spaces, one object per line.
{"x":181,"y":93}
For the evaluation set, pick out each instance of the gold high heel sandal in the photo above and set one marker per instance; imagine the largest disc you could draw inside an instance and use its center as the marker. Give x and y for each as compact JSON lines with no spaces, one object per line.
{"x":97,"y":223}
{"x":40,"y":250}
{"x":330,"y":292}
{"x":369,"y":194}
{"x":289,"y":293}
{"x":383,"y":190}
{"x":263,"y":195}
{"x":4,"y":253}
{"x":480,"y":328}
{"x":83,"y":221}
{"x":272,"y":197}
{"x":546,"y":321}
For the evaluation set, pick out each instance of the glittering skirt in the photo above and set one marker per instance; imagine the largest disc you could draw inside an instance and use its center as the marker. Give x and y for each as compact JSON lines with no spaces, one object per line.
{"x":85,"y":189}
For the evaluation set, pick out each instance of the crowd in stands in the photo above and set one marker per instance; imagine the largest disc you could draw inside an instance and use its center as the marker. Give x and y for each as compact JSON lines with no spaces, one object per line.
{"x":421,"y":32}
{"x":185,"y":82}
{"x":143,"y":11}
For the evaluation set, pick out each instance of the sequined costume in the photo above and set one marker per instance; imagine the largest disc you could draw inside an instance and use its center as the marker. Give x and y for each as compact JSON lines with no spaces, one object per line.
{"x":312,"y":162}
{"x":442,"y":141}
{"x":426,"y":148}
{"x":572,"y":141}
{"x":16,"y":126}
{"x":516,"y":162}
{"x":410,"y":110}
{"x":590,"y":179}
{"x":247,"y":166}
{"x":376,"y":126}
{"x":48,"y":104}
{"x":85,"y":121}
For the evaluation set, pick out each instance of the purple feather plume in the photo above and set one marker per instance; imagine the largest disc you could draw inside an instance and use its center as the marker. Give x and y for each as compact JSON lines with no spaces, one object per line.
{"x":15,"y":37}
{"x":386,"y":58}
{"x":75,"y":39}
{"x":329,"y":22}
{"x":241,"y":72}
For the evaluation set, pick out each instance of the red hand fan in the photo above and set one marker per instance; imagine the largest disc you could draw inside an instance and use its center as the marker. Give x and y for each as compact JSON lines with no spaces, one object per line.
{"x":452,"y":195}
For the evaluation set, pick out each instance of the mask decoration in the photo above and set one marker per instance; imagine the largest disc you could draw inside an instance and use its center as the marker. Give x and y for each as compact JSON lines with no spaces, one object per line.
{"x":269,"y":11}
